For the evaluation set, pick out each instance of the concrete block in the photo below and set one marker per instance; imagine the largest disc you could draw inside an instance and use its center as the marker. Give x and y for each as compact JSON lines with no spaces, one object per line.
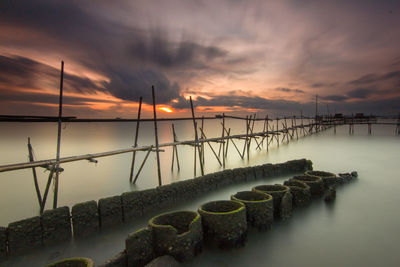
{"x":85,"y":219}
{"x":139,"y":247}
{"x":24,"y":235}
{"x":150,"y":200}
{"x":277,"y":192}
{"x":167,"y":194}
{"x":131,"y":205}
{"x":56,"y":225}
{"x":286,"y":206}
{"x":178,"y":234}
{"x":119,"y":260}
{"x":259,"y":208}
{"x":3,"y":240}
{"x":258,"y":172}
{"x":250,"y":174}
{"x":110,"y":211}
{"x":300,"y":191}
{"x":268,"y":170}
{"x":224,"y":223}
{"x":239,"y":175}
{"x":314,"y":182}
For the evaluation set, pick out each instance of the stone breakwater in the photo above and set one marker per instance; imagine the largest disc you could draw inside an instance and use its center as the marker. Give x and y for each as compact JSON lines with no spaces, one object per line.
{"x":90,"y":217}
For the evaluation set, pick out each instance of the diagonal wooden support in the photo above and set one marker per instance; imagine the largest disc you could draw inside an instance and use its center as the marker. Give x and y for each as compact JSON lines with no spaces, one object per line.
{"x":136,"y":139}
{"x":234,"y":144}
{"x":31,"y":159}
{"x":212,"y":149}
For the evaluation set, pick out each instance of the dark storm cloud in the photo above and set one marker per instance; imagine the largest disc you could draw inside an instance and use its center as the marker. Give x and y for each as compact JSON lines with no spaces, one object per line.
{"x":131,"y":58}
{"x":132,"y":85}
{"x":245,"y":102}
{"x":289,"y":90}
{"x":27,"y":73}
{"x":360,"y":93}
{"x":164,"y":53}
{"x":373,"y":77}
{"x":335,"y":98}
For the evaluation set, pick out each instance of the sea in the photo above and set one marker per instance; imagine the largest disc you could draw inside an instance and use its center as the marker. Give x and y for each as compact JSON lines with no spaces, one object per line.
{"x":360,"y":228}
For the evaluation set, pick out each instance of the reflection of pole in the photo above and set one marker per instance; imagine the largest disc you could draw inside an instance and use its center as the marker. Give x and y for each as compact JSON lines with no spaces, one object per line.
{"x":58,"y":137}
{"x":136,"y":139}
{"x":156,"y":136}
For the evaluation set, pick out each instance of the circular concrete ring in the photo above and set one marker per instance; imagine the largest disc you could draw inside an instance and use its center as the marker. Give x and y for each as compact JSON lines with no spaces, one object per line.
{"x":259,"y":208}
{"x":300,"y":191}
{"x":314,"y":182}
{"x":73,"y":262}
{"x":224,"y":223}
{"x":277,"y":192}
{"x":327,"y":177}
{"x":178,"y":234}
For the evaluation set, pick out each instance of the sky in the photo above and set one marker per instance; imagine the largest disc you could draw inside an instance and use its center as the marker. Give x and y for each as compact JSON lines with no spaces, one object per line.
{"x":231,"y":56}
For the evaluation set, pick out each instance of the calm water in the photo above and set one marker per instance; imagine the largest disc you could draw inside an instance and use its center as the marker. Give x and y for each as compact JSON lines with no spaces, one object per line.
{"x":359,"y":229}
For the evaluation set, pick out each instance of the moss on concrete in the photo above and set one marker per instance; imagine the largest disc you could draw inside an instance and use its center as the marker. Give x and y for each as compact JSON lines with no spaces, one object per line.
{"x":224,"y":223}
{"x":85,"y":219}
{"x":314,"y":182}
{"x":259,"y":208}
{"x":178,"y":234}
{"x":73,"y":262}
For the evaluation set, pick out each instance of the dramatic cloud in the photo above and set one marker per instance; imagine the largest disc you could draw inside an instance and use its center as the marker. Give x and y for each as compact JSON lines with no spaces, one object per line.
{"x":343,"y":51}
{"x":373,"y":78}
{"x":335,"y":98}
{"x":288,"y":90}
{"x":360,"y":93}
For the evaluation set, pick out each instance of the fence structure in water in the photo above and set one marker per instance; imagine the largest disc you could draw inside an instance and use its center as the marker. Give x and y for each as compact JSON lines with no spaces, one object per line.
{"x":275,"y":131}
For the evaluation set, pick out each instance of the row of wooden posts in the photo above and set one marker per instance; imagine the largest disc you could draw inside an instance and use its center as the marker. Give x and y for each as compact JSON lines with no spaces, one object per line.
{"x":269,"y":133}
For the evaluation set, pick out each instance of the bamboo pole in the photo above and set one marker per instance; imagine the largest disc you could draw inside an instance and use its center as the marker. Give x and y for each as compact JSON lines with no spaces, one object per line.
{"x":31,"y":159}
{"x":234,"y":144}
{"x":223,"y":143}
{"x":227,"y":142}
{"x":136,"y":140}
{"x":46,"y":191}
{"x":156,"y":136}
{"x":175,"y":149}
{"x":202,"y":143}
{"x":57,"y":167}
{"x":212,"y":149}
{"x":196,"y":137}
{"x":141,"y":166}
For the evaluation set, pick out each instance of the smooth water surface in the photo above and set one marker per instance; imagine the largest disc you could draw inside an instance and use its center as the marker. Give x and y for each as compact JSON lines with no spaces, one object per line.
{"x":358,"y":229}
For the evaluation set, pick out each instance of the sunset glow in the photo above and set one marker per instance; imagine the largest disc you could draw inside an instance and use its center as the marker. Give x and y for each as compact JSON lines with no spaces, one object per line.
{"x":229,"y":56}
{"x":165,"y":109}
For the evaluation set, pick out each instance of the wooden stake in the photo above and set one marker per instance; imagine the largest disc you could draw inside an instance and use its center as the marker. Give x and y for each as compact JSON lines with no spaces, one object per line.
{"x":223,"y":142}
{"x":141,"y":166}
{"x":156,"y":136}
{"x":136,"y":140}
{"x":31,"y":159}
{"x":46,"y":191}
{"x":227,"y":142}
{"x":174,"y":148}
{"x":212,"y":149}
{"x":196,"y":137}
{"x":234,"y":144}
{"x":57,"y":167}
